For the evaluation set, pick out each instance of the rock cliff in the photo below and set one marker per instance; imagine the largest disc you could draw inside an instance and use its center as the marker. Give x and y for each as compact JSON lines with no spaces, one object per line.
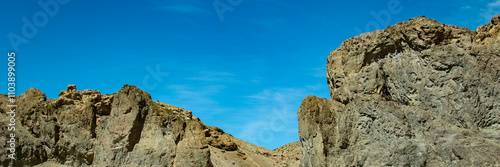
{"x":418,"y":93}
{"x":127,"y":128}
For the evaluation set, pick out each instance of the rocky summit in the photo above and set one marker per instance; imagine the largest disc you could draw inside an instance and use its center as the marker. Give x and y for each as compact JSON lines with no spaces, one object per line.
{"x":87,"y":128}
{"x":418,"y":93}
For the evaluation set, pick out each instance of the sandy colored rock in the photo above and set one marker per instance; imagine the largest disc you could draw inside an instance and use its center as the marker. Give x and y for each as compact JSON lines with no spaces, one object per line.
{"x":127,"y":128}
{"x":418,"y":93}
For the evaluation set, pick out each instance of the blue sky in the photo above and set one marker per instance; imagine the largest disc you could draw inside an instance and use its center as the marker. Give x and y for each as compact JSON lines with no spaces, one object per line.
{"x":241,"y":65}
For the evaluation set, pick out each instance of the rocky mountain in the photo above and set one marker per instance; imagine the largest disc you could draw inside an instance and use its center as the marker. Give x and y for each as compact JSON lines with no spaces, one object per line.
{"x":87,"y":128}
{"x":418,"y":93}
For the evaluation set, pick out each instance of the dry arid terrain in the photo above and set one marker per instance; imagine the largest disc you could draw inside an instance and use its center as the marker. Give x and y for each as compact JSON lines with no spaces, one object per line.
{"x":87,"y":128}
{"x":418,"y":93}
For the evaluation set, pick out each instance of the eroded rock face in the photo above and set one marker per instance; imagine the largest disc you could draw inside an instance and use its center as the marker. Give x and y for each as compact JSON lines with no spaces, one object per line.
{"x":419,"y":93}
{"x":127,"y":128}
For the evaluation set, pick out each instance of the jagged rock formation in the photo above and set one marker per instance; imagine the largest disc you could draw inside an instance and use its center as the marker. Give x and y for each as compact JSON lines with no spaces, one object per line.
{"x":419,"y":93}
{"x":87,"y":128}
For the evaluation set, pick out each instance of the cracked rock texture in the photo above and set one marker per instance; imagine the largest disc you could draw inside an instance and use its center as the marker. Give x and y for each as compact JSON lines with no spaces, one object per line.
{"x":127,"y":128}
{"x":418,"y":93}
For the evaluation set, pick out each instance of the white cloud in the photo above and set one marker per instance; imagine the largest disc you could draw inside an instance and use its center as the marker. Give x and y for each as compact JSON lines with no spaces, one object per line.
{"x":194,"y":94}
{"x":256,"y":80}
{"x":214,"y":76}
{"x":274,"y":117}
{"x":492,"y":9}
{"x":319,"y":72}
{"x":317,"y":87}
{"x":494,"y":4}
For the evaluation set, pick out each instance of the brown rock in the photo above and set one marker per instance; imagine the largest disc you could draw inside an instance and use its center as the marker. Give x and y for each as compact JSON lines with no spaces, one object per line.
{"x":419,"y":93}
{"x":71,"y":88}
{"x":87,"y":128}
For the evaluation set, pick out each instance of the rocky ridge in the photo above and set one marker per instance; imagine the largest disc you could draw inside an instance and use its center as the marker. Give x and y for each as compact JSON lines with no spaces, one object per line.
{"x":127,"y":128}
{"x":418,"y":93}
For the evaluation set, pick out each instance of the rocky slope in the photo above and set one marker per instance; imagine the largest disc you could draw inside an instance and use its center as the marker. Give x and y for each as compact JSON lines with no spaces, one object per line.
{"x":419,"y":93}
{"x":87,"y":128}
{"x":289,"y":154}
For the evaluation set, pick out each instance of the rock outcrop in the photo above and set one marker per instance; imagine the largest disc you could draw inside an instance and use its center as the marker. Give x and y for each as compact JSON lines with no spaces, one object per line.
{"x":127,"y":128}
{"x":418,"y":93}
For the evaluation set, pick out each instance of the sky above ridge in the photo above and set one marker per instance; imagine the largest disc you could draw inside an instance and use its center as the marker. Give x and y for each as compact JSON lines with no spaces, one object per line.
{"x":241,"y":65}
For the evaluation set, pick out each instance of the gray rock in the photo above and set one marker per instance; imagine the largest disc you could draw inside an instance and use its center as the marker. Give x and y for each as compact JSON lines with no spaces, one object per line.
{"x":419,"y":93}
